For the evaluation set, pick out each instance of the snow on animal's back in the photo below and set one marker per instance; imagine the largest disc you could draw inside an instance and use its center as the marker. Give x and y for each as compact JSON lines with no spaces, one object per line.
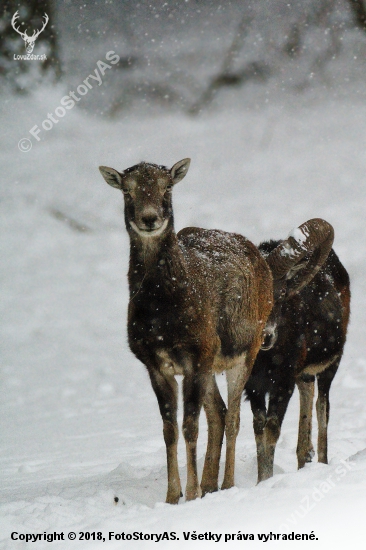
{"x":216,"y":249}
{"x":233,"y":267}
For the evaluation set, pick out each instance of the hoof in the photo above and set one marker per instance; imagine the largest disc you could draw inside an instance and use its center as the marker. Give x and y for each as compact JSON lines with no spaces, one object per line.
{"x":173,"y":498}
{"x":309,"y":455}
{"x":208,"y":489}
{"x":226,"y":485}
{"x":192,"y":494}
{"x":265,"y":476}
{"x":170,"y":500}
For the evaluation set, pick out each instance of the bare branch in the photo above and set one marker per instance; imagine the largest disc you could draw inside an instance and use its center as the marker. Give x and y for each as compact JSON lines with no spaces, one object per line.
{"x":226,"y":77}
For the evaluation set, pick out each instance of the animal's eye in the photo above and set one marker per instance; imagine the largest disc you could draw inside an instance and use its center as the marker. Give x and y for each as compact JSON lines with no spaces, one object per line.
{"x":169,"y":187}
{"x":125,"y":191}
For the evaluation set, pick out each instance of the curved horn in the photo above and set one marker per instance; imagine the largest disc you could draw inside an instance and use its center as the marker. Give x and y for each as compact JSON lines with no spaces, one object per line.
{"x":315,"y":238}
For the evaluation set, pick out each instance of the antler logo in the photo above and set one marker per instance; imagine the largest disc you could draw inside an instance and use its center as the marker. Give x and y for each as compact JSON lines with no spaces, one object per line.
{"x":29,"y":40}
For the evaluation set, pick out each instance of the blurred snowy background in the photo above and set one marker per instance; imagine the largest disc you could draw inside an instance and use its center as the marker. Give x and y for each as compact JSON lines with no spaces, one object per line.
{"x":269,"y":101}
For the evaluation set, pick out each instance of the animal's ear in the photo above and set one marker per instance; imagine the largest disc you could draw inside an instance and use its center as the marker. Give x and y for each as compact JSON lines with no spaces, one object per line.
{"x":111,"y":176}
{"x":179,"y":170}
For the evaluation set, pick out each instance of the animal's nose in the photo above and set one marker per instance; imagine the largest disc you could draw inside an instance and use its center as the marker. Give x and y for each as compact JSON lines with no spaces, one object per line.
{"x":269,"y":339}
{"x":149,"y":219}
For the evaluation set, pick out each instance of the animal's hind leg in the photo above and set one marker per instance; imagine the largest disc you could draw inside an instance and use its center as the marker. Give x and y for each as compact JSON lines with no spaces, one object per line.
{"x":215,"y":410}
{"x":258,"y":406}
{"x":236,"y":380}
{"x":305,"y":450}
{"x":277,"y":407}
{"x":267,"y":427}
{"x":166,"y":390}
{"x":325,"y":379}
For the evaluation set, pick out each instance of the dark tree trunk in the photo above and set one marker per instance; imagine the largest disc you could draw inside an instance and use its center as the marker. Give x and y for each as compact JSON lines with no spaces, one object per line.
{"x":359,"y":10}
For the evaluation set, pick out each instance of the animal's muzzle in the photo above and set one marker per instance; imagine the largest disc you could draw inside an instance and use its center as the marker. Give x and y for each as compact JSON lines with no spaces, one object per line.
{"x":269,"y":338}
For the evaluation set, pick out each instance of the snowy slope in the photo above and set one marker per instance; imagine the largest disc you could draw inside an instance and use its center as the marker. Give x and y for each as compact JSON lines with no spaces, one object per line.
{"x":79,"y":421}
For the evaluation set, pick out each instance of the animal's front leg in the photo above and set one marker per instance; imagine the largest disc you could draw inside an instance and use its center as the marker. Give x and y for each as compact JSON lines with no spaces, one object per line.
{"x":166,"y":390}
{"x":193,"y":393}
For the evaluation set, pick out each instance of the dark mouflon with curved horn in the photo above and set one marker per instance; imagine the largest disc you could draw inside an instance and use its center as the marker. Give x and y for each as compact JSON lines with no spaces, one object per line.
{"x":304,"y":340}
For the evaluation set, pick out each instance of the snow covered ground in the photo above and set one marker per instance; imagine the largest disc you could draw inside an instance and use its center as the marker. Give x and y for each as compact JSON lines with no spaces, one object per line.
{"x":79,"y":421}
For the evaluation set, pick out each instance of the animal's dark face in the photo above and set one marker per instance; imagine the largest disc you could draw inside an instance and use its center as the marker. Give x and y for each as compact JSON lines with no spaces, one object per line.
{"x":147,"y":192}
{"x":282,"y":291}
{"x":279,"y":293}
{"x":270,"y":332}
{"x":148,"y":205}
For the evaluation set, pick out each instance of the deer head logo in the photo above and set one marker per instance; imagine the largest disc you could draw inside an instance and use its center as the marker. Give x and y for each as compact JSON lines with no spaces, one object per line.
{"x":29,"y":40}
